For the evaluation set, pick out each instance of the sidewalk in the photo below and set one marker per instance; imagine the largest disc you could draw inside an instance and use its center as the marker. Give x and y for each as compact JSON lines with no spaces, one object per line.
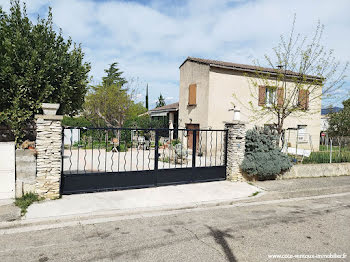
{"x":165,"y":197}
{"x":8,"y":211}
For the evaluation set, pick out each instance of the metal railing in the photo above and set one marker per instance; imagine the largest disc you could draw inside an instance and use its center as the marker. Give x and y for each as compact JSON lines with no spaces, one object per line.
{"x":104,"y":150}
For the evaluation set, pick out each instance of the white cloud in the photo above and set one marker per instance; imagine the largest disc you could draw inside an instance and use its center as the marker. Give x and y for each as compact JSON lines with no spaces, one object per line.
{"x":151,"y":41}
{"x":139,"y":97}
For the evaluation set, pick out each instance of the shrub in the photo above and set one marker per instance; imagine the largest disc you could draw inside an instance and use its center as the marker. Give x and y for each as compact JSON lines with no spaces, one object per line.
{"x":174,"y":142}
{"x":25,"y":201}
{"x":262,"y":158}
{"x":79,"y":121}
{"x":122,"y":148}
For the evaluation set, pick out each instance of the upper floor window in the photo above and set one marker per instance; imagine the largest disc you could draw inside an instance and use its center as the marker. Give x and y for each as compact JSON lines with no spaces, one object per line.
{"x":303,"y":99}
{"x":269,"y":96}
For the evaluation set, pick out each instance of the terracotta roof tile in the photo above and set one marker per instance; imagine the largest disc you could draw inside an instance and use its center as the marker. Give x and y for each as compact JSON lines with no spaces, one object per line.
{"x":235,"y":66}
{"x":174,"y":106}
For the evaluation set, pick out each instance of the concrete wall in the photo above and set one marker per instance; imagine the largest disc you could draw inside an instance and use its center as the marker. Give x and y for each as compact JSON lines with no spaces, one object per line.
{"x":7,"y":170}
{"x":317,"y":170}
{"x":194,"y":73}
{"x":25,"y":171}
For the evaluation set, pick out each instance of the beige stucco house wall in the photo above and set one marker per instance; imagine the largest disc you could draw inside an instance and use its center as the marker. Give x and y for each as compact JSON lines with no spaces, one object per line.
{"x":216,"y":86}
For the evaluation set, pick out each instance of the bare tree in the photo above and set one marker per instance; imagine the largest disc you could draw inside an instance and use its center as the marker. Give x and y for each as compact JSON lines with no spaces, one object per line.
{"x":302,"y":71}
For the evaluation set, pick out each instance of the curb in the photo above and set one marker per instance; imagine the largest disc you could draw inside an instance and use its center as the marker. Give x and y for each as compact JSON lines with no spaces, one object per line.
{"x":111,"y":216}
{"x":139,"y":212}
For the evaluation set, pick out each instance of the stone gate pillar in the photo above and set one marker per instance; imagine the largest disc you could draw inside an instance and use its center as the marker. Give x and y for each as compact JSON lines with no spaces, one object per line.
{"x":48,"y":146}
{"x":235,"y":149}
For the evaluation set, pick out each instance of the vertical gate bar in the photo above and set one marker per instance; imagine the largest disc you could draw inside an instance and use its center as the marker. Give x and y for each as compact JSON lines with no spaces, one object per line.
{"x":163,"y":154}
{"x":182,"y":144}
{"x":119,"y":148}
{"x":70,"y":151}
{"x":92,"y":150}
{"x":194,"y":153}
{"x":132,"y":142}
{"x":173,"y":148}
{"x":200,"y":147}
{"x":156,"y":157}
{"x":226,"y":140}
{"x":143,"y":151}
{"x":99,"y":151}
{"x":126,"y":148}
{"x":85,"y":152}
{"x":211,"y":145}
{"x":78,"y":153}
{"x":149,"y":151}
{"x":187,"y":134}
{"x":216,"y":145}
{"x":206,"y":147}
{"x":106,"y":138}
{"x":62,"y":158}
{"x":112,"y":150}
{"x":221,"y":145}
{"x":137,"y":150}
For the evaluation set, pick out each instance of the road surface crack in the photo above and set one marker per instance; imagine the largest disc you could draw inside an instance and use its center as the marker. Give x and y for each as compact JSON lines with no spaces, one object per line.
{"x":203,"y":242}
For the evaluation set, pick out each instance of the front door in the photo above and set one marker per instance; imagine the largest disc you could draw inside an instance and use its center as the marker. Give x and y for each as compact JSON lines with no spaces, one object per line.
{"x":190,"y":135}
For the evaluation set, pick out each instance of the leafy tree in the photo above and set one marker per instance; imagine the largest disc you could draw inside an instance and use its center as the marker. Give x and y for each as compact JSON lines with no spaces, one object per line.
{"x":339,"y":122}
{"x":145,"y":122}
{"x":37,"y":65}
{"x":161,"y":101}
{"x":109,"y":103}
{"x":114,"y":76}
{"x":302,"y":72}
{"x":135,"y":110}
{"x":80,"y":121}
{"x":263,"y":158}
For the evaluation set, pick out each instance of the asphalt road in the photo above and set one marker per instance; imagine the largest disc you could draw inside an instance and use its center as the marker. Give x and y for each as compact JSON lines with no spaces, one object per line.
{"x":314,"y":225}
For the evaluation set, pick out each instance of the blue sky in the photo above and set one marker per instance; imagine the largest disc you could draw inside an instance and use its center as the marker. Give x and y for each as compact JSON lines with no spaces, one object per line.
{"x":150,"y":39}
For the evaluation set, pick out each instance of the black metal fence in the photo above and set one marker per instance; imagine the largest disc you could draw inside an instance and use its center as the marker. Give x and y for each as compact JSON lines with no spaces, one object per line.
{"x":135,"y":154}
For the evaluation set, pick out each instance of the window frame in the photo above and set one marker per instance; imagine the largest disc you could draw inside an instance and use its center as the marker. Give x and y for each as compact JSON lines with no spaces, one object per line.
{"x":270,"y":94}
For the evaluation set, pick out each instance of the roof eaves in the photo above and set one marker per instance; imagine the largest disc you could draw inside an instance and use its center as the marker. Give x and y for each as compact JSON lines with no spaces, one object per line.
{"x":192,"y":59}
{"x":260,"y":70}
{"x":164,"y":110}
{"x":243,"y":69}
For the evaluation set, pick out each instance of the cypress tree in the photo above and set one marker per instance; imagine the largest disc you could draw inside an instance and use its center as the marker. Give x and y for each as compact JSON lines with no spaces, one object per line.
{"x":147,"y":97}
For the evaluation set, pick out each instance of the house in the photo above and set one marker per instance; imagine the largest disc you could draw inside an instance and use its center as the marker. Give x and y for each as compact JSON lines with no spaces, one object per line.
{"x":211,"y":92}
{"x":325,"y":117}
{"x":168,"y":114}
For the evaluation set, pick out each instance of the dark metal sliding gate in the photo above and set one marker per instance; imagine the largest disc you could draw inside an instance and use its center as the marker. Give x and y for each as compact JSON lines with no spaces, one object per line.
{"x":102,"y":159}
